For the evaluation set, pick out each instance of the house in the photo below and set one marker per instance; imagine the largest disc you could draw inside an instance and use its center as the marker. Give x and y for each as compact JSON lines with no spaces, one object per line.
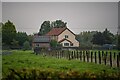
{"x":64,"y":36}
{"x":41,"y":41}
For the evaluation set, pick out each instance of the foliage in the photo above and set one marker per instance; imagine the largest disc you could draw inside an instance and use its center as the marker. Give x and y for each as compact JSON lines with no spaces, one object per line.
{"x":8,"y":32}
{"x":47,"y":26}
{"x":108,"y":37}
{"x":0,"y":34}
{"x":21,"y":37}
{"x":11,"y":38}
{"x":18,"y":59}
{"x":119,"y":42}
{"x":55,"y":45}
{"x":37,"y":74}
{"x":30,"y":39}
{"x":15,"y":44}
{"x":26,"y":45}
{"x":58,"y":24}
{"x":85,"y":38}
{"x":98,"y":38}
{"x":105,"y":37}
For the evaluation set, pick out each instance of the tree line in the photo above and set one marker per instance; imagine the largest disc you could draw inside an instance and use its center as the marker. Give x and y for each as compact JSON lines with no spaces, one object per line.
{"x":13,"y":39}
{"x":97,"y":39}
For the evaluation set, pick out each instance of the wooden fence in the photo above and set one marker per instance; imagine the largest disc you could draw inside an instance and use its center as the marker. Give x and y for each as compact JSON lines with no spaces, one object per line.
{"x":99,"y":57}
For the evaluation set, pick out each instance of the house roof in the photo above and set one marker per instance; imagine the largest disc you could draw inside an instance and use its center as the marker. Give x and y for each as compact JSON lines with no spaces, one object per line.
{"x":38,"y":39}
{"x":57,"y":31}
{"x":64,"y":40}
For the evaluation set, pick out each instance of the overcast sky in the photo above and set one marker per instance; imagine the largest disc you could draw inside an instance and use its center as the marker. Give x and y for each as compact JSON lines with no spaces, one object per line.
{"x":0,"y":11}
{"x":80,"y":16}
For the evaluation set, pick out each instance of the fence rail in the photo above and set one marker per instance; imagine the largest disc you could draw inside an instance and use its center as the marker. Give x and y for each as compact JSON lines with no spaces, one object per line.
{"x":99,"y":57}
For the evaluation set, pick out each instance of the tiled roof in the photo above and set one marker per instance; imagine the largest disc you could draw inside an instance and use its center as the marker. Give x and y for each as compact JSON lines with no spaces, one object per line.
{"x":41,"y":39}
{"x":55,"y":31}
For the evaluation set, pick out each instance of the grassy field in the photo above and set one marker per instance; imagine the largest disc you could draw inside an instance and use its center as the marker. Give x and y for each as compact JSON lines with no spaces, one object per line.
{"x":26,"y":59}
{"x":0,"y":66}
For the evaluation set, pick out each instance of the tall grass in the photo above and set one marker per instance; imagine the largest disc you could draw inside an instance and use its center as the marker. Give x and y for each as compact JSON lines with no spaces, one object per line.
{"x":27,"y":59}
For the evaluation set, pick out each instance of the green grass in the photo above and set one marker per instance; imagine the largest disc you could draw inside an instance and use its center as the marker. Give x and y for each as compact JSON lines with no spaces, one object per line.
{"x":0,"y":66}
{"x":26,"y":59}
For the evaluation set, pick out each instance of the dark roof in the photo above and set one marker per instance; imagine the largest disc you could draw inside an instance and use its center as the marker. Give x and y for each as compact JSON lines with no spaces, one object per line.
{"x":57,"y":31}
{"x":38,"y":39}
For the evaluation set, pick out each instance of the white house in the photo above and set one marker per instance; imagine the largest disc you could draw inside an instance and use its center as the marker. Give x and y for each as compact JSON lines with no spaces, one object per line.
{"x":64,"y":36}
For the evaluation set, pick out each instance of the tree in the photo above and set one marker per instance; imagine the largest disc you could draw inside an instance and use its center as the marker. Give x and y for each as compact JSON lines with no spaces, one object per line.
{"x":58,"y":24}
{"x":26,"y":45}
{"x":8,"y":32}
{"x":85,"y":38}
{"x":30,"y":39}
{"x":108,"y":37}
{"x":53,"y":43}
{"x":0,"y":35}
{"x":98,"y":38}
{"x":45,"y":28}
{"x":21,"y":37}
{"x":105,"y":37}
{"x":15,"y":44}
{"x":118,"y":42}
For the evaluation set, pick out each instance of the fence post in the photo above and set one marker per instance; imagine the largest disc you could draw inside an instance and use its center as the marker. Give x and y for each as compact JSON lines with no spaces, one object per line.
{"x":114,"y":55}
{"x":80,"y":53}
{"x":99,"y":56}
{"x":63,"y":54}
{"x":91,"y":56}
{"x":87,"y":54}
{"x":105,"y":57}
{"x":106,"y":54}
{"x":77,"y":54}
{"x":95,"y":58}
{"x":56,"y":54}
{"x":102,"y":54}
{"x":117,"y":60}
{"x":68,"y":54}
{"x":84,"y":56}
{"x":60,"y":54}
{"x":72,"y":55}
{"x":110,"y":59}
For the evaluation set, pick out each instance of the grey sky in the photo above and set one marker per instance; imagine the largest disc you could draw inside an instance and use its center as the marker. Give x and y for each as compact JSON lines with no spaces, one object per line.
{"x":59,"y":0}
{"x":0,"y":11}
{"x":80,"y":16}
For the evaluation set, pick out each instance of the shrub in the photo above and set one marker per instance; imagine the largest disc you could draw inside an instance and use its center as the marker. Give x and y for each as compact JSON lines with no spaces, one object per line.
{"x":26,"y":45}
{"x":37,"y":74}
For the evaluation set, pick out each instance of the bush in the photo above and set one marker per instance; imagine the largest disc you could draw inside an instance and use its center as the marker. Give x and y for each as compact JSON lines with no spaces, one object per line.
{"x":26,"y":45}
{"x":55,"y":45}
{"x":37,"y":74}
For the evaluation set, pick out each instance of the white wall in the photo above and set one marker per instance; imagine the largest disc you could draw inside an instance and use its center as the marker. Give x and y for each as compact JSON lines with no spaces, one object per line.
{"x":71,"y":37}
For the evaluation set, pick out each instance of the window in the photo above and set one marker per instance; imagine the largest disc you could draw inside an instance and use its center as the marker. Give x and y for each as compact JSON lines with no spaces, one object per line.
{"x":66,"y":36}
{"x":66,"y":44}
{"x":71,"y":44}
{"x":37,"y":45}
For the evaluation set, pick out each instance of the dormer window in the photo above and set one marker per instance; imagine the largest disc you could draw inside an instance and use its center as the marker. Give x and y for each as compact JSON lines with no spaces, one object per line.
{"x":66,"y":36}
{"x":66,"y":44}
